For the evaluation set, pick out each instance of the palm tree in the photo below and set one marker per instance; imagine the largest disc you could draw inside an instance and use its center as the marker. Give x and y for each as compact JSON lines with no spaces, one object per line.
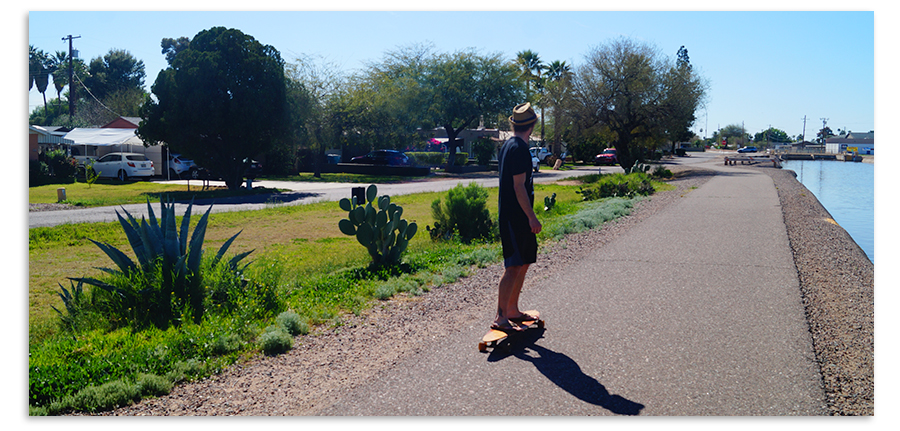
{"x":60,"y":72}
{"x":40,"y":66}
{"x":558,"y":73}
{"x":530,"y":63}
{"x":532,"y":66}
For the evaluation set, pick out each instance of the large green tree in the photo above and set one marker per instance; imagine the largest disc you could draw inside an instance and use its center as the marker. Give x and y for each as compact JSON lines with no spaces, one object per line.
{"x":771,"y":134}
{"x":221,"y":101}
{"x":315,"y":90}
{"x":414,"y":87}
{"x":636,"y":93}
{"x":115,"y":72}
{"x":465,"y":86}
{"x":734,"y":134}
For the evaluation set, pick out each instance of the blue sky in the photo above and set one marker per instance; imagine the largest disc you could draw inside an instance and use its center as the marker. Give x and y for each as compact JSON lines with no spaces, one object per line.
{"x":764,"y":68}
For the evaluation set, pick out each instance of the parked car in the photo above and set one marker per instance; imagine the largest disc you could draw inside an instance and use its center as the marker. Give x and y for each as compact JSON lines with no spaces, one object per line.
{"x":254,"y":169}
{"x":540,"y":153}
{"x":124,"y":166}
{"x":747,"y":150}
{"x":180,"y":167}
{"x":607,"y":157}
{"x":383,"y":157}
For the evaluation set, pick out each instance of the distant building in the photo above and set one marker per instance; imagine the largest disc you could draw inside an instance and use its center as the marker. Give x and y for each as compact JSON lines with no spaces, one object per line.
{"x":123,"y":123}
{"x":41,"y":139}
{"x":860,"y":143}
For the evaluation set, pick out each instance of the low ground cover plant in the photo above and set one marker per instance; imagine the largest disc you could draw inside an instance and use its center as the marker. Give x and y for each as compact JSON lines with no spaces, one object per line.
{"x":294,"y":284}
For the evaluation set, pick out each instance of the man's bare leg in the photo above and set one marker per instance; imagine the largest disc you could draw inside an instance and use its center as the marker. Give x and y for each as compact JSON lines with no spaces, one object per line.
{"x":508,"y":297}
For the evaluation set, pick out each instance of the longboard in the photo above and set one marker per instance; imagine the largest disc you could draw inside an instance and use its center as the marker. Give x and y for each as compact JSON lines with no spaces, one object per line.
{"x":496,"y":336}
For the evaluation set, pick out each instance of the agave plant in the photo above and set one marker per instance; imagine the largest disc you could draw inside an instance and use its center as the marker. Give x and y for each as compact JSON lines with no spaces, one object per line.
{"x":72,"y":300}
{"x":161,"y":248}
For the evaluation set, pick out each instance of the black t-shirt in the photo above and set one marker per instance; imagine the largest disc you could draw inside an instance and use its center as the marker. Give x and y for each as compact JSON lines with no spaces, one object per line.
{"x":514,"y":159}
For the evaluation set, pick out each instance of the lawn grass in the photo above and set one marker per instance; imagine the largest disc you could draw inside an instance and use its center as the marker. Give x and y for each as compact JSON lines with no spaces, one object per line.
{"x":113,"y":192}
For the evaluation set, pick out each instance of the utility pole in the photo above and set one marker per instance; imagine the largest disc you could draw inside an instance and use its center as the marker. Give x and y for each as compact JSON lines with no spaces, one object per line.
{"x":803,"y":136}
{"x":824,"y":122}
{"x":71,"y":82}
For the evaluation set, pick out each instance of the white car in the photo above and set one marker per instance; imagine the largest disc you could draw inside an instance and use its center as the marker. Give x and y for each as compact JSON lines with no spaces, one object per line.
{"x":541,"y":153}
{"x":124,"y":166}
{"x":178,"y":165}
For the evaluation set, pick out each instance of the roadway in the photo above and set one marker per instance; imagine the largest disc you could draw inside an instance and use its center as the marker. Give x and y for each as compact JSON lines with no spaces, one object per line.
{"x":294,"y":193}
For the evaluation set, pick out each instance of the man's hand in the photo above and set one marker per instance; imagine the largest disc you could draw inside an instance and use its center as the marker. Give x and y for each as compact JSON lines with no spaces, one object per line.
{"x":535,"y":225}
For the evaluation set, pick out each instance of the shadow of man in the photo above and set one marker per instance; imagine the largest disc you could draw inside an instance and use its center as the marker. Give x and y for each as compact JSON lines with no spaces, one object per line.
{"x":565,"y":373}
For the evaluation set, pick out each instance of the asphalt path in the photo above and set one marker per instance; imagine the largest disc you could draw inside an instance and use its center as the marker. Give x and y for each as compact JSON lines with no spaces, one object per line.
{"x":295,"y":193}
{"x":695,"y":311}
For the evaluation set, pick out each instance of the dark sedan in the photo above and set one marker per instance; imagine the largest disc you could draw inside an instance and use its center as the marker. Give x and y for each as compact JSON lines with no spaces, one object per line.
{"x":383,"y":157}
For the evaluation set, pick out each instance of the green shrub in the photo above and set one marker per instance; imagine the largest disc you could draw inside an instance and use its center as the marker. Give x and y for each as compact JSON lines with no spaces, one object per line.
{"x":107,"y":396}
{"x":38,"y":173}
{"x":463,"y":214}
{"x":385,"y":292}
{"x":153,"y":385}
{"x":61,"y":168}
{"x":293,"y":323}
{"x":431,"y":159}
{"x":618,"y":185}
{"x":186,"y":370}
{"x":484,"y":149}
{"x":226,"y":344}
{"x":275,"y":340}
{"x":662,"y":172}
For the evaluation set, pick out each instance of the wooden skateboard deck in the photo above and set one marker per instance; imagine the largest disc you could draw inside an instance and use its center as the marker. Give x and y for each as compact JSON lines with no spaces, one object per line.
{"x":496,"y":336}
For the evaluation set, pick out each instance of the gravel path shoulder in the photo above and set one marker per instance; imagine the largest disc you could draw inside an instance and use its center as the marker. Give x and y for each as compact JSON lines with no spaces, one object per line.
{"x":837,"y":280}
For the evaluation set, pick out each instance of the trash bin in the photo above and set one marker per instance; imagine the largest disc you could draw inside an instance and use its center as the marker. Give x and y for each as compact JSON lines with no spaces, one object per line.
{"x":61,"y":194}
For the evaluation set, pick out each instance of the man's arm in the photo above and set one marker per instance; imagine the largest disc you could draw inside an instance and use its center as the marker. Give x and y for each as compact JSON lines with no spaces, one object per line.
{"x":525,"y":202}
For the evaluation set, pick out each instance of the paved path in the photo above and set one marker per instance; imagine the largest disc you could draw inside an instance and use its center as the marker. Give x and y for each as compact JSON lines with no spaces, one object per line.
{"x":696,"y":311}
{"x":297,"y":193}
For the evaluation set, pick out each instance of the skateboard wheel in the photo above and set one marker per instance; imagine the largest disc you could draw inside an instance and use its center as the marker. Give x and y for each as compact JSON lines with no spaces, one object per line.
{"x":482,"y":347}
{"x":540,"y":324}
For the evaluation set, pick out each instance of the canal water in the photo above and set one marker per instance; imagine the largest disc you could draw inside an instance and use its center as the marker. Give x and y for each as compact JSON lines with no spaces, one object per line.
{"x":847,"y":191}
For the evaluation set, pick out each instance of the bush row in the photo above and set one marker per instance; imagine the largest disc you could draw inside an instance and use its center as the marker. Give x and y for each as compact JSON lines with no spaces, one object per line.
{"x":435,"y":159}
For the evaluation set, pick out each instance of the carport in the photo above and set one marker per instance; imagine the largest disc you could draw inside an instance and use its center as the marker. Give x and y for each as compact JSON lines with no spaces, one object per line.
{"x":92,"y":143}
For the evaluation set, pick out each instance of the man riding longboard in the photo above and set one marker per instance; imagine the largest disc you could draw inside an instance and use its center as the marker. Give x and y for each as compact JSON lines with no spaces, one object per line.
{"x":517,"y":221}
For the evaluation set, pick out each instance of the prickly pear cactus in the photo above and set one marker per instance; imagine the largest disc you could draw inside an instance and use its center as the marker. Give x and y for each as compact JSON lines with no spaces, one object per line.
{"x":381,"y":231}
{"x":549,"y":202}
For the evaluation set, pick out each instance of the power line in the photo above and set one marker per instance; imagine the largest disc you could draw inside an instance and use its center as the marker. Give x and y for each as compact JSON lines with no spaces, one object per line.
{"x":95,"y":97}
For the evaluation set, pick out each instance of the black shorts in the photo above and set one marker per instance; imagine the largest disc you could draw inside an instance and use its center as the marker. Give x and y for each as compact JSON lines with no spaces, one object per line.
{"x":519,"y":244}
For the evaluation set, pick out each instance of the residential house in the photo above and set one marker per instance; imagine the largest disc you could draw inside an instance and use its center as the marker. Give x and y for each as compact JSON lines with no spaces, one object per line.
{"x":42,"y":138}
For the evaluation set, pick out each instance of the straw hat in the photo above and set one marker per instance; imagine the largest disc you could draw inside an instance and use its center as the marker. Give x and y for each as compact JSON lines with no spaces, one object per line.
{"x":523,"y":115}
